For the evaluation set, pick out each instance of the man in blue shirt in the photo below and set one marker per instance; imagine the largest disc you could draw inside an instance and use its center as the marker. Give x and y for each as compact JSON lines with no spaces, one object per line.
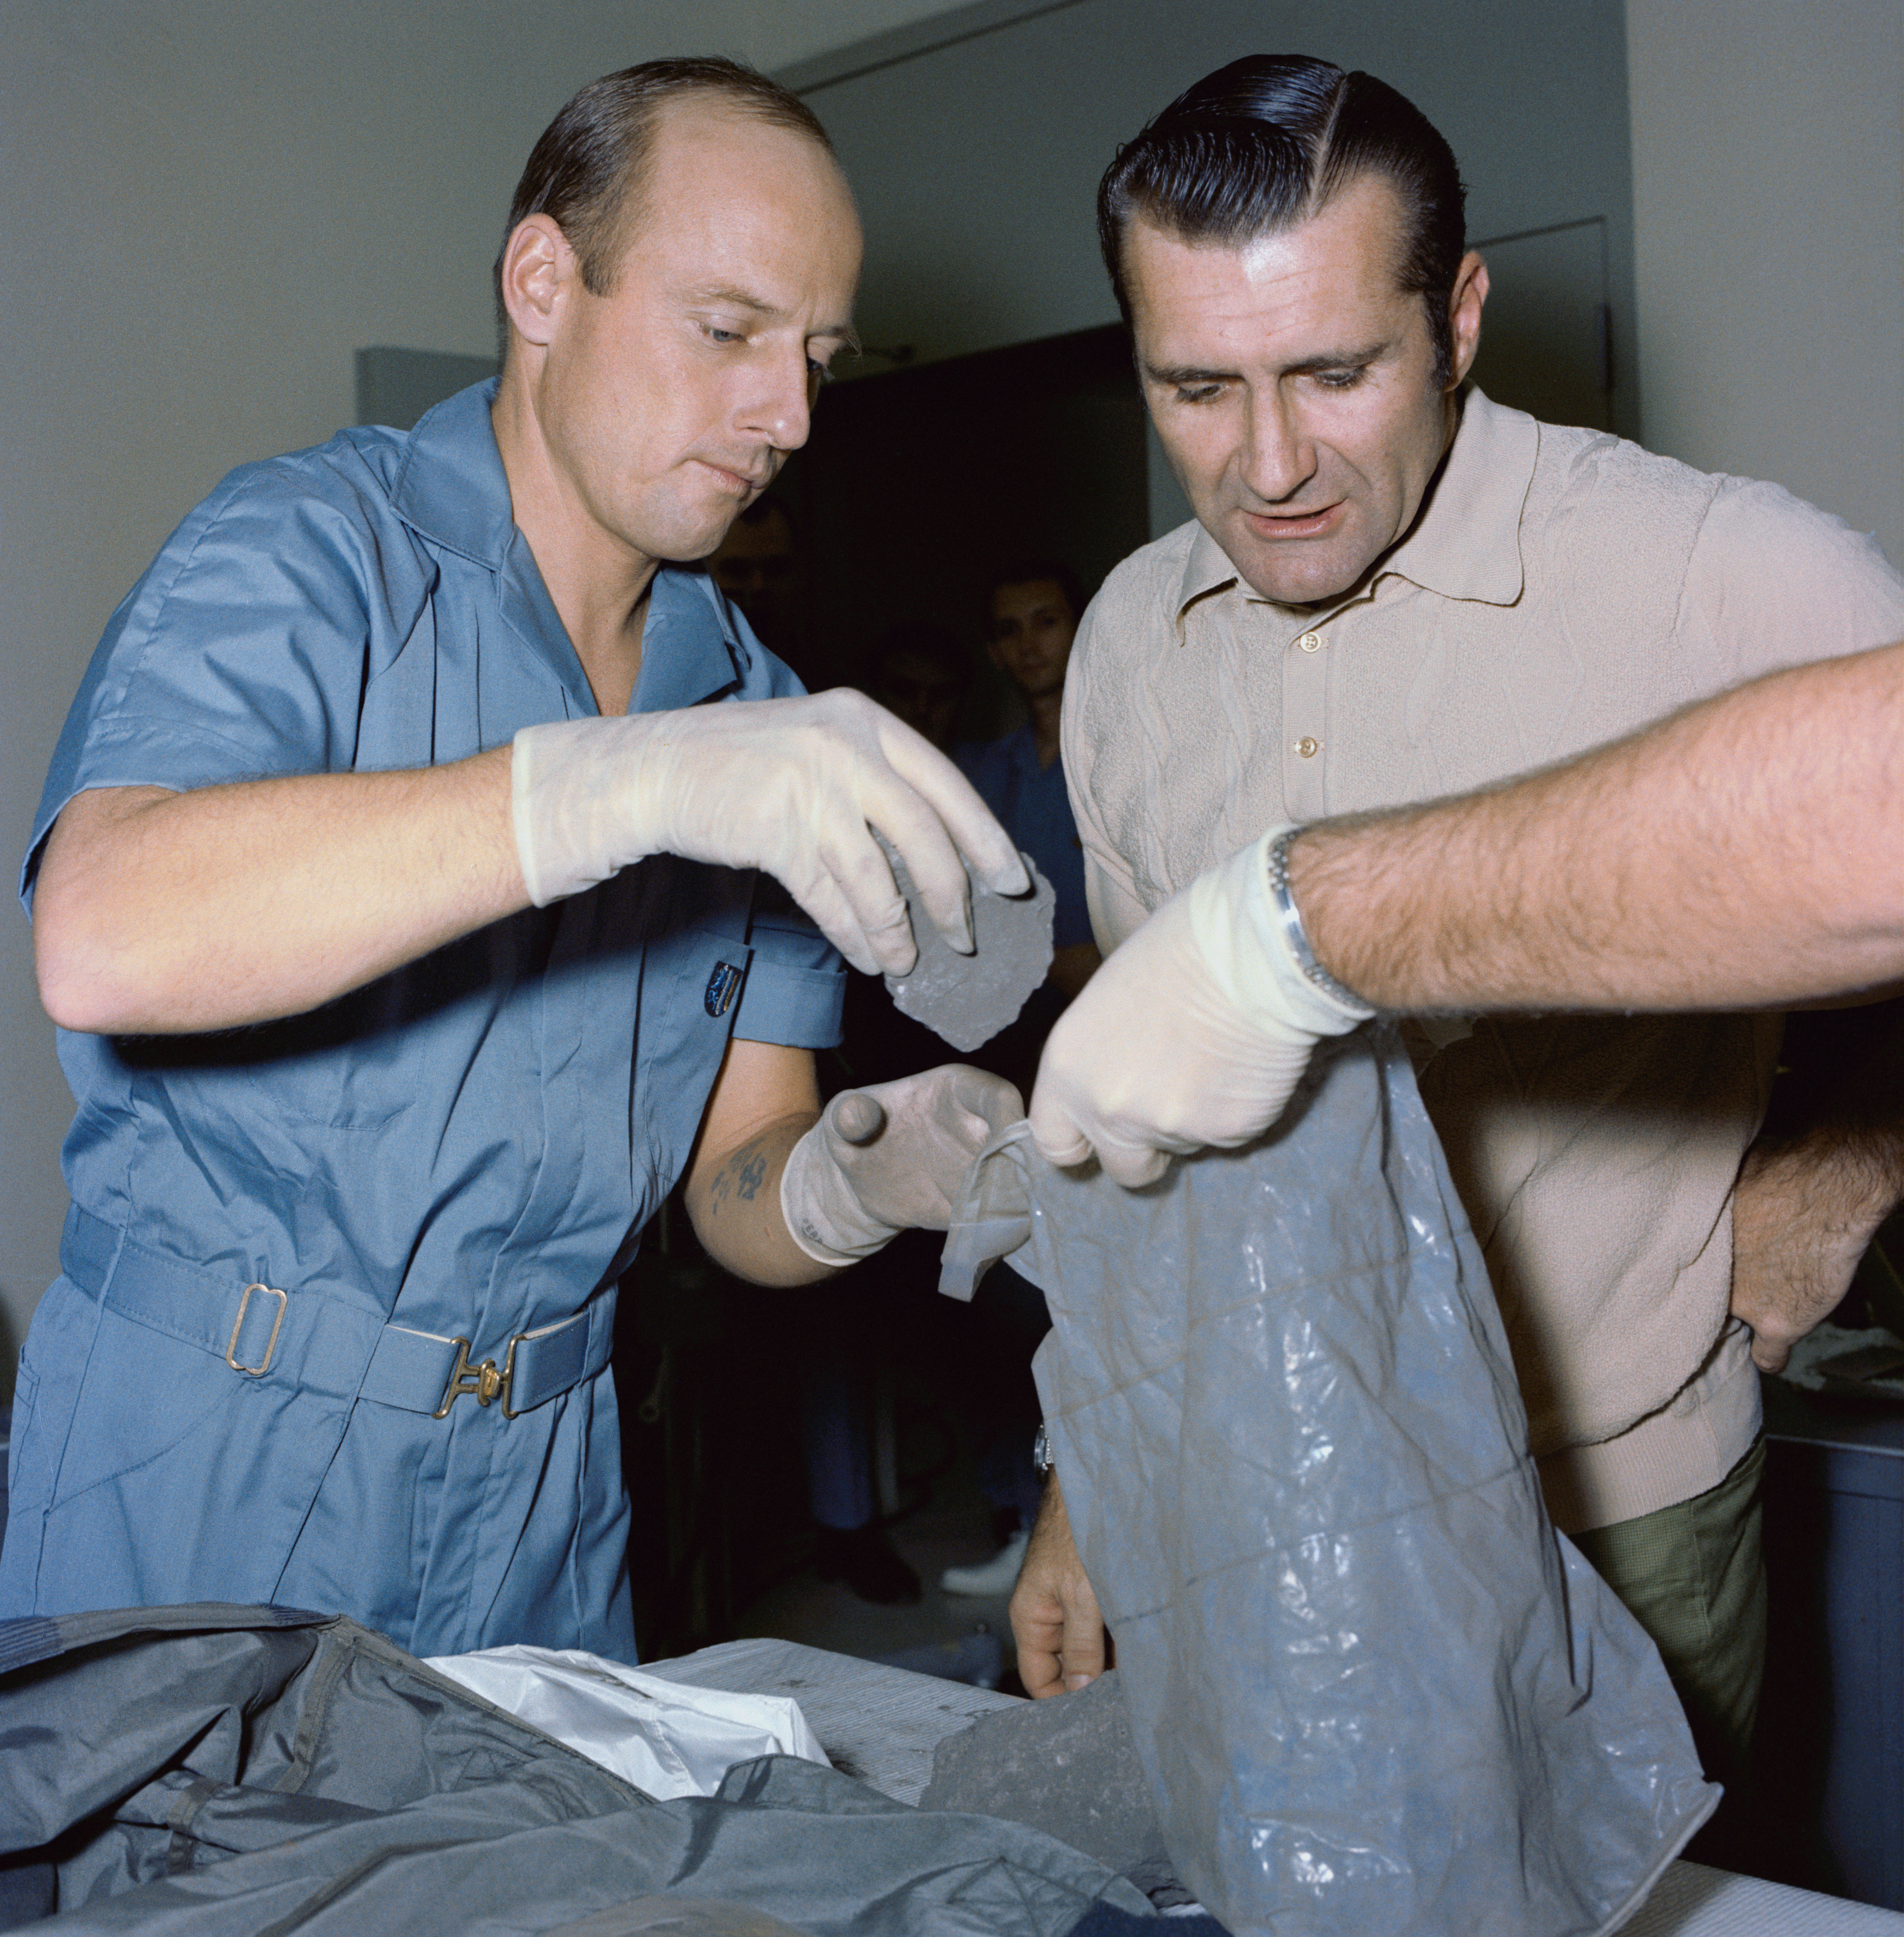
{"x":1031,"y":613}
{"x":394,"y":889}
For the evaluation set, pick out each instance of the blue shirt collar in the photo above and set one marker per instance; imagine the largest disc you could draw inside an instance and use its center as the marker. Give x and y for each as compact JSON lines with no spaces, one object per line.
{"x":451,"y":488}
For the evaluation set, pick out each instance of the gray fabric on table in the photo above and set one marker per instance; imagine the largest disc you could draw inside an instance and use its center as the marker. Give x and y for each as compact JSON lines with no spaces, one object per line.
{"x":213,"y":1769}
{"x":1374,"y":1691}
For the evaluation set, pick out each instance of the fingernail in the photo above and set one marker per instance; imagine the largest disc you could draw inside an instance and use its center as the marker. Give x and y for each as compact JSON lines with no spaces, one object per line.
{"x":1074,"y":1682}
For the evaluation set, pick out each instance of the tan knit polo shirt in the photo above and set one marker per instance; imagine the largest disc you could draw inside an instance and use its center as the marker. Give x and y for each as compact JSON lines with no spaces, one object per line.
{"x":1558,"y":588}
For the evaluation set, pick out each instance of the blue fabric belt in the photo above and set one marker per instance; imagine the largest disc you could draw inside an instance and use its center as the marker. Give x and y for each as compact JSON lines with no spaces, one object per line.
{"x":317,"y":1341}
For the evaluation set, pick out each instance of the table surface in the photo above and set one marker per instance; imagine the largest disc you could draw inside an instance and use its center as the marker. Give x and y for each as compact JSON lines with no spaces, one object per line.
{"x":881,"y":1725}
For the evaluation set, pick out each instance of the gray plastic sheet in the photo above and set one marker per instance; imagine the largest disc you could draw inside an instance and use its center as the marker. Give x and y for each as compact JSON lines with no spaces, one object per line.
{"x":224,"y":1771}
{"x":1373,"y":1689}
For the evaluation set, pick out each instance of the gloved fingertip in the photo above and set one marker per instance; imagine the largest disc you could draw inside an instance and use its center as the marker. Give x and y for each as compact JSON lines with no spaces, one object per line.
{"x":1062,"y":1152}
{"x":1132,"y":1168}
{"x":1008,"y":877}
{"x":899,"y":954}
{"x":857,"y":1117}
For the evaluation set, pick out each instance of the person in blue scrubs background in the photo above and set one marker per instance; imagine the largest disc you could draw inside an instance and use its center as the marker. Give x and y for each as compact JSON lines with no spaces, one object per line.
{"x":432,"y":869}
{"x":1031,"y":609}
{"x":1031,"y":612}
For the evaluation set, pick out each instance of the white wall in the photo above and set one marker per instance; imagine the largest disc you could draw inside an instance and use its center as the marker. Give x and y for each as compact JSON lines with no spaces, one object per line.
{"x":1768,"y":166}
{"x":205,"y":207}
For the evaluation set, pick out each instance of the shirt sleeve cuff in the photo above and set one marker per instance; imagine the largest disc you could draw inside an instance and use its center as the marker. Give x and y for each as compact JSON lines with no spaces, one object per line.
{"x":798,"y":1008}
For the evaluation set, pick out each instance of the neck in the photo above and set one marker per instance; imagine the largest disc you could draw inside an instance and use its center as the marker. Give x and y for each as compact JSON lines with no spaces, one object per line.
{"x":599,"y":588}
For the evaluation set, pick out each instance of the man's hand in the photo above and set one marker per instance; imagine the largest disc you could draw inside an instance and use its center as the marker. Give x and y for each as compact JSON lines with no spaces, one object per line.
{"x":890,"y":1158}
{"x":797,"y":787}
{"x":1055,"y":1623}
{"x":1801,"y":1218}
{"x":1192,"y":1034}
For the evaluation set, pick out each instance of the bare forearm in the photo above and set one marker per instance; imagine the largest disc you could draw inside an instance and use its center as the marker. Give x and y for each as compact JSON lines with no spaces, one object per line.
{"x":733,"y":1201}
{"x":1747,"y":853}
{"x":157,"y":912}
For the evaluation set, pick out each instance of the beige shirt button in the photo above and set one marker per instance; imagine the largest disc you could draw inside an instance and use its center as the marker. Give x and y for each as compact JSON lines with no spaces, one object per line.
{"x":1311,"y":642}
{"x":1309,"y":748}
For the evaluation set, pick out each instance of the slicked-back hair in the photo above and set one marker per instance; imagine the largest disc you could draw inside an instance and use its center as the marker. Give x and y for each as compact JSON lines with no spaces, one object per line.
{"x":1034,"y":571}
{"x":585,"y":171}
{"x":1261,"y":145}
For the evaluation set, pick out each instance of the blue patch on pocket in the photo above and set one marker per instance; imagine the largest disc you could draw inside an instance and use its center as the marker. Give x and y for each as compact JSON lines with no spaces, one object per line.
{"x":722,"y":987}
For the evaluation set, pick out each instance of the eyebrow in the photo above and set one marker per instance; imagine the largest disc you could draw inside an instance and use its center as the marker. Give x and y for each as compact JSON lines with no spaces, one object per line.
{"x":1327,"y":359}
{"x":739,"y":299}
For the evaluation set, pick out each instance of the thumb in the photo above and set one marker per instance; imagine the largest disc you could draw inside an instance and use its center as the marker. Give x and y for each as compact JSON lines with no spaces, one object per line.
{"x":993,"y":1100}
{"x":1058,"y":1139}
{"x":854,"y":1117}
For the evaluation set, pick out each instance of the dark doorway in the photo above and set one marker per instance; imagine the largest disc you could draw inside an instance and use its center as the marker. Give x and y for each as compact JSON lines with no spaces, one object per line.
{"x":919,"y":483}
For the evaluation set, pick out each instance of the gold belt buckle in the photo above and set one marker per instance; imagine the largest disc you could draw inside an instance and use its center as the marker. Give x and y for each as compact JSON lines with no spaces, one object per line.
{"x":483,"y":1382}
{"x":257,"y":1371}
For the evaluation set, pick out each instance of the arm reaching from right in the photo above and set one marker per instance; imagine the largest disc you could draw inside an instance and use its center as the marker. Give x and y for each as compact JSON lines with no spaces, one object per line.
{"x":1056,"y":1625}
{"x":157,"y":912}
{"x":1747,"y":853}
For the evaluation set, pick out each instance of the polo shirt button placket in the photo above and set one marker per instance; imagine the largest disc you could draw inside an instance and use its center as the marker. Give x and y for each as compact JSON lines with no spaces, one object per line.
{"x":1304,"y":714}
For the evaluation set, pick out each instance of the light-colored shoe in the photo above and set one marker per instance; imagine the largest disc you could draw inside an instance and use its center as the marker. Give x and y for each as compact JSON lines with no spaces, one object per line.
{"x":998,"y":1575}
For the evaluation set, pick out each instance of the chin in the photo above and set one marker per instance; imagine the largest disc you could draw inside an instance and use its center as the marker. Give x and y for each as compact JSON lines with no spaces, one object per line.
{"x":1300,"y":580}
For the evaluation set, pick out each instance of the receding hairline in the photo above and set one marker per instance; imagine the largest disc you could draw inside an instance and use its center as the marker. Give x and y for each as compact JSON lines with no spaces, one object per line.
{"x":631,"y":202}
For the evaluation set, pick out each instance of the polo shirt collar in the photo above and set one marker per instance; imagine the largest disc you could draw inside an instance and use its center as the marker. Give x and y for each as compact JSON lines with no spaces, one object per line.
{"x":1466,"y":541}
{"x":451,"y":488}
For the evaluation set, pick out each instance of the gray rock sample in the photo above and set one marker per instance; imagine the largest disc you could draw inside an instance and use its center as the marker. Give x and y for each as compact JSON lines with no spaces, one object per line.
{"x":1068,"y":1766}
{"x":968,"y":999}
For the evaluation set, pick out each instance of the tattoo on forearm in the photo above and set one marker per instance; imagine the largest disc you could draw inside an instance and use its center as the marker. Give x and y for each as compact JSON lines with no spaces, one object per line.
{"x":742,"y":1176}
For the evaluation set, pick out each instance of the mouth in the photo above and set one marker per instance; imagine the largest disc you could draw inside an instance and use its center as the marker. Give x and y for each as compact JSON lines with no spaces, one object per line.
{"x":742,"y":483}
{"x":1295,"y":524}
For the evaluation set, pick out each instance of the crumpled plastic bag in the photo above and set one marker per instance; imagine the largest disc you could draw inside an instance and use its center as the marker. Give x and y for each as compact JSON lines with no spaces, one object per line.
{"x":1373,"y":1689}
{"x":665,"y":1738}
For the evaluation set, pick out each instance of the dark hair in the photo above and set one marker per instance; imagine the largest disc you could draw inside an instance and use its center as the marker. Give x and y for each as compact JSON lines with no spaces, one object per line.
{"x":1033,"y":571}
{"x":585,"y":172}
{"x":1262,"y":144}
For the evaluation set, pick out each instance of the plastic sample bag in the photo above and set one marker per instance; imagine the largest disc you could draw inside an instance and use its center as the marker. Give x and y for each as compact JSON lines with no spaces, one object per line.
{"x":666,"y":1738}
{"x":1374,"y":1691}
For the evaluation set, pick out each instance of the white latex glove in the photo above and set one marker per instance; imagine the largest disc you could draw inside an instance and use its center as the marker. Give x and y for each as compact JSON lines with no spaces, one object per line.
{"x":791,"y":786}
{"x":889,"y":1158}
{"x":1192,"y":1034}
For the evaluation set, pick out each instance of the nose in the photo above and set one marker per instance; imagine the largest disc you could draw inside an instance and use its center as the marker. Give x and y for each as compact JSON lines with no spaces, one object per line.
{"x":779,"y":405}
{"x":1279,"y":454}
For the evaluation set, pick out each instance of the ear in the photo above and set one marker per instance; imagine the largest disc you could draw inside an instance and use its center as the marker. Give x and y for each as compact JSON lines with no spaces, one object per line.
{"x":1464,"y":313}
{"x":540,"y":272}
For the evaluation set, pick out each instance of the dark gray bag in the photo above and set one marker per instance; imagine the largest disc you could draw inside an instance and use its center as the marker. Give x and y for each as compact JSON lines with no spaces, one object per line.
{"x":1373,"y":1690}
{"x":213,"y":1770}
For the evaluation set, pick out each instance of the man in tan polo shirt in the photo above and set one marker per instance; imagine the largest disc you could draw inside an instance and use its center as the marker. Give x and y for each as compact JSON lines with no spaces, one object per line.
{"x":1395,"y":589}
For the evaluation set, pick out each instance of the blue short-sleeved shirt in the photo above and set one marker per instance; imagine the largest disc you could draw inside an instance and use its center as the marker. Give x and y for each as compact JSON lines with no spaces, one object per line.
{"x":1033,"y":806}
{"x":466,"y":1148}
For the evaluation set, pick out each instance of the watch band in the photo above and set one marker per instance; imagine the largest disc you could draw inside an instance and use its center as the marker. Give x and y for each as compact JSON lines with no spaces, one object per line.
{"x":1290,"y":920}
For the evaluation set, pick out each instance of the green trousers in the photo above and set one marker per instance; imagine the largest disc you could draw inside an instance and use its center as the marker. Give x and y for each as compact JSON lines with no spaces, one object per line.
{"x":1693,"y":1575}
